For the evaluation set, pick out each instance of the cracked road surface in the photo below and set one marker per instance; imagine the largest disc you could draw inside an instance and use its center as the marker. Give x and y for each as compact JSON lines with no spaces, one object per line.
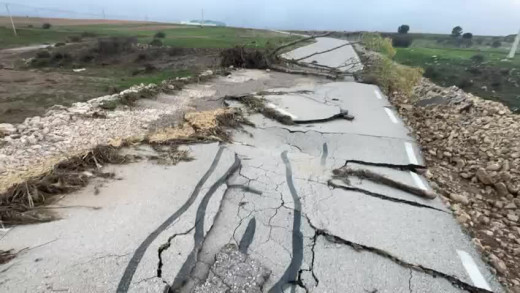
{"x":264,"y":213}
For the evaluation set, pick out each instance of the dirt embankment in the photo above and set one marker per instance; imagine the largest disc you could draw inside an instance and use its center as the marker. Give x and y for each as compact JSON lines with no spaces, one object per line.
{"x":472,"y":149}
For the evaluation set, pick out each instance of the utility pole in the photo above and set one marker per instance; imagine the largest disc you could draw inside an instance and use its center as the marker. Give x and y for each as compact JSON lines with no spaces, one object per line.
{"x":514,"y":47}
{"x":202,"y":18}
{"x":12,"y":22}
{"x":104,"y":16}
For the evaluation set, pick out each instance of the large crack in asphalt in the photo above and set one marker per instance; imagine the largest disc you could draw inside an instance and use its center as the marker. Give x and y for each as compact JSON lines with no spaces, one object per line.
{"x":198,"y":237}
{"x":291,"y":273}
{"x":456,"y":282}
{"x":383,"y":197}
{"x":130,"y":269}
{"x":167,"y":245}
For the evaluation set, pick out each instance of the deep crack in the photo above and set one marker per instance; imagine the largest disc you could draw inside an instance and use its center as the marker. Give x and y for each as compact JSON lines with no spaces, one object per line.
{"x":167,"y":245}
{"x":384,"y":197}
{"x":415,"y":267}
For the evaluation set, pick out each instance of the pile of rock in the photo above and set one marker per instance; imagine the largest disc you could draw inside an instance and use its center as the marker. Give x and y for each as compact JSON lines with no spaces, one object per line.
{"x":472,"y":149}
{"x":62,"y":131}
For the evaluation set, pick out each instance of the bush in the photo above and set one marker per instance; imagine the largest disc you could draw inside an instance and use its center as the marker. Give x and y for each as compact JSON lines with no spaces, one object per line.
{"x":115,"y":45}
{"x":464,"y":83}
{"x":40,"y":62}
{"x":43,"y":54}
{"x":86,"y":57}
{"x":88,"y":35}
{"x":58,"y":56}
{"x":175,"y":51}
{"x":30,"y":26}
{"x":402,"y":41}
{"x":59,"y":44}
{"x":375,"y":42}
{"x":74,"y":39}
{"x":496,"y":44}
{"x":156,"y":43}
{"x":431,"y":72}
{"x":141,"y":57}
{"x":477,"y":58}
{"x":46,"y":26}
{"x":241,"y":57}
{"x":475,"y":70}
{"x":160,"y":35}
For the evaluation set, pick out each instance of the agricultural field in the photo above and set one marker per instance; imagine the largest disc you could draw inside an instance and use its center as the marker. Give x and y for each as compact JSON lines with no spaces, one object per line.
{"x":30,"y":32}
{"x":480,"y":67}
{"x":76,"y":60}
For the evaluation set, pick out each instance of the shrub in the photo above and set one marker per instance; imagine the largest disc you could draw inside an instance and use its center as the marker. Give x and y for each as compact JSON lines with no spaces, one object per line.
{"x":477,"y":58}
{"x":496,"y":44}
{"x":160,"y":35}
{"x":431,"y":72}
{"x":40,"y":62}
{"x":375,"y":42}
{"x":475,"y":70}
{"x":46,"y":26}
{"x":59,"y":44}
{"x":75,"y":39}
{"x":156,"y":43}
{"x":464,"y":83}
{"x":175,"y":51}
{"x":88,"y":35}
{"x":115,"y":45}
{"x":402,"y":41}
{"x":241,"y":57}
{"x":87,"y":57}
{"x":141,"y":57}
{"x":30,"y":26}
{"x":43,"y":54}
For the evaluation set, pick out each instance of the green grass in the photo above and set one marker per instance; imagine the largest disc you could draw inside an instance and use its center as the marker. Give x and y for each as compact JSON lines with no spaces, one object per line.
{"x":492,"y":79}
{"x":30,"y":37}
{"x":176,"y":36}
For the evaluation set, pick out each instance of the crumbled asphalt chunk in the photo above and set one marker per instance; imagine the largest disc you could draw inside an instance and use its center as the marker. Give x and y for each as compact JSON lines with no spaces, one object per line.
{"x":233,"y":271}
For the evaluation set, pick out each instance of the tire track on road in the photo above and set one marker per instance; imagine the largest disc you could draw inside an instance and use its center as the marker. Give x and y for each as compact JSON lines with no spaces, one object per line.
{"x":126,"y":279}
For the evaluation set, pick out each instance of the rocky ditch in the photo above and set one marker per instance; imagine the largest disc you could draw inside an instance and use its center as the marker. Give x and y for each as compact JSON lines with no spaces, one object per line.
{"x":472,"y":150}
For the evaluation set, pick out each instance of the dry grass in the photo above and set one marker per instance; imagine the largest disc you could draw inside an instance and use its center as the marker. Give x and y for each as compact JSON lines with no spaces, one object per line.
{"x":6,"y":256}
{"x":22,"y":193}
{"x":171,"y":155}
{"x":19,"y":200}
{"x":257,"y":104}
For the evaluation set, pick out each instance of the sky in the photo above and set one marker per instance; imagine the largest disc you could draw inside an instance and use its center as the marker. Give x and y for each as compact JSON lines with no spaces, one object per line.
{"x":481,"y":17}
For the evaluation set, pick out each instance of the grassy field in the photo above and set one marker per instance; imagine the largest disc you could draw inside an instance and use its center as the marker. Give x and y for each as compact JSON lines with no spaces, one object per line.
{"x":176,"y":35}
{"x":479,"y":68}
{"x":33,"y":80}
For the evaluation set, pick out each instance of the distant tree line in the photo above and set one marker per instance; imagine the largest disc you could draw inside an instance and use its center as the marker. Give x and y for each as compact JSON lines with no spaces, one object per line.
{"x":458,"y":38}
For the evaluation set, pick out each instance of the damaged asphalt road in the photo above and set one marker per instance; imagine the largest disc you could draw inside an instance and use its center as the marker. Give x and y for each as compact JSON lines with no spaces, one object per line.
{"x":263,"y":214}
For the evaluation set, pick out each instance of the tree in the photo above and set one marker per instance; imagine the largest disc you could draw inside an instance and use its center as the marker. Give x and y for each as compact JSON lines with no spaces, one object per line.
{"x":467,"y":36}
{"x":456,"y":32}
{"x":160,"y":35}
{"x":403,"y":29}
{"x":496,"y":44}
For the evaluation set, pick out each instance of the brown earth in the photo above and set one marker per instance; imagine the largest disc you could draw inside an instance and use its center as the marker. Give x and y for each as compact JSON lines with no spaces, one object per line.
{"x":28,"y":90}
